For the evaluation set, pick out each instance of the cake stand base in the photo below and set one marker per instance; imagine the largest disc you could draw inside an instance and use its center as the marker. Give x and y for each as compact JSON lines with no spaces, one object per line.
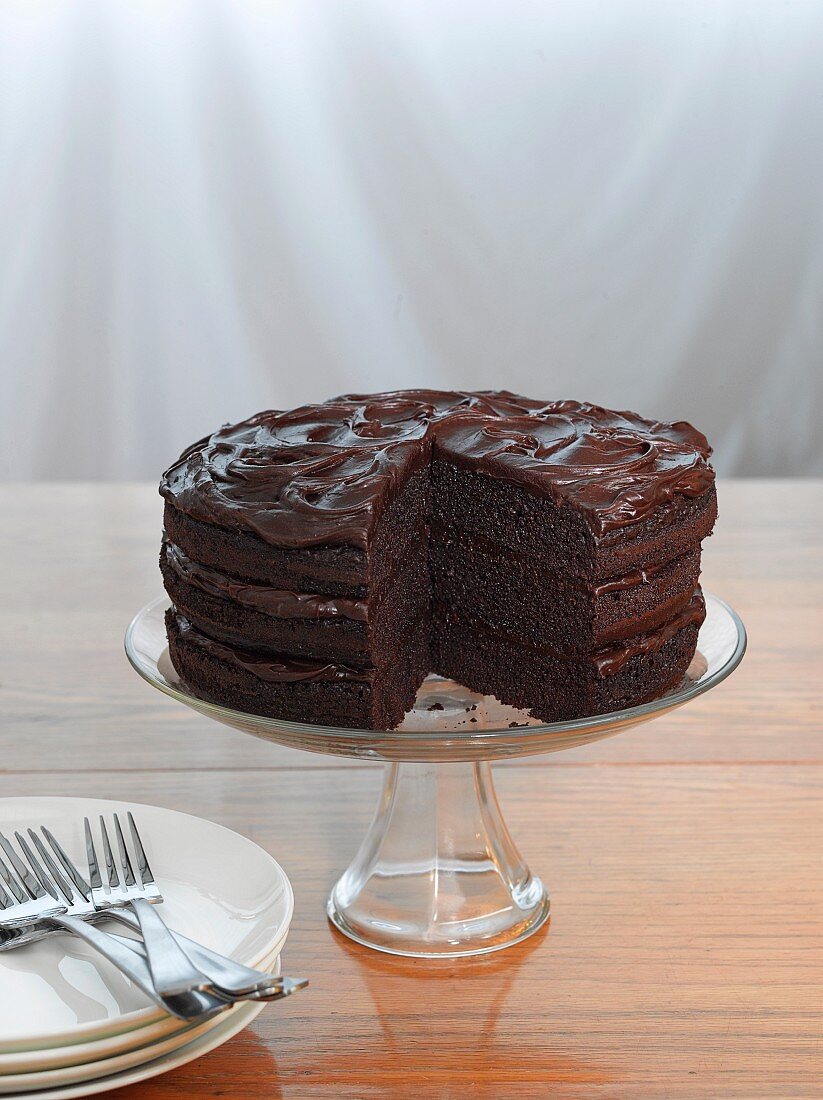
{"x":438,"y":874}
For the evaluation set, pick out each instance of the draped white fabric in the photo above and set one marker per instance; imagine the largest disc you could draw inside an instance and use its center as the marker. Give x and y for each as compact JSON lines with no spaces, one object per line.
{"x":213,"y":207}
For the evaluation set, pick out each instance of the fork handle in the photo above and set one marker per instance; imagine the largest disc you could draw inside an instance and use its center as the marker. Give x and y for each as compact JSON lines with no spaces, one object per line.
{"x":172,"y":971}
{"x":225,"y":975}
{"x":194,"y":1006}
{"x":276,"y":988}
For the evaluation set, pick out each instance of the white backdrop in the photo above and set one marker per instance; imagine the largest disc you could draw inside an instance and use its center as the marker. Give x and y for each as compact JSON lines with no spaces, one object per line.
{"x":212,"y":207}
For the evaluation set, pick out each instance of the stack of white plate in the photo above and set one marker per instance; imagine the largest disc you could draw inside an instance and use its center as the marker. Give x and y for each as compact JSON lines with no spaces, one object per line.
{"x":72,"y":1025}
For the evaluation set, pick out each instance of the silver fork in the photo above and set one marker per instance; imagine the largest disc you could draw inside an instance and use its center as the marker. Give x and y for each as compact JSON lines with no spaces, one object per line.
{"x":226,"y":976}
{"x":29,"y":898}
{"x":172,"y":970}
{"x":77,"y":894}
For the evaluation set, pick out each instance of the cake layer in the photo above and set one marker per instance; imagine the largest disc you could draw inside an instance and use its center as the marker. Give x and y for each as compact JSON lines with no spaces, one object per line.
{"x":318,"y":475}
{"x":509,"y":515}
{"x":319,"y":692}
{"x":362,"y":630}
{"x":554,"y":688}
{"x":615,"y":469}
{"x":605,"y":660}
{"x":334,"y":570}
{"x":527,"y":595}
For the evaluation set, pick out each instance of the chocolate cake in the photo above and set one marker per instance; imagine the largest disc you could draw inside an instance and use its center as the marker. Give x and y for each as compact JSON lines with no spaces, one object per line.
{"x":322,"y":561}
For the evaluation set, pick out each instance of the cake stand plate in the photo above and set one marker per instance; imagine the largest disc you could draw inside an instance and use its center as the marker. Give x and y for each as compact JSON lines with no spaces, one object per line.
{"x":438,"y":873}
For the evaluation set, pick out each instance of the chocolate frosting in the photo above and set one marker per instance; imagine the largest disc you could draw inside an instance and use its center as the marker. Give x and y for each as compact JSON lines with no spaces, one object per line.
{"x":277,"y":602}
{"x":322,"y":474}
{"x":280,"y":668}
{"x":629,"y":580}
{"x":612,"y":658}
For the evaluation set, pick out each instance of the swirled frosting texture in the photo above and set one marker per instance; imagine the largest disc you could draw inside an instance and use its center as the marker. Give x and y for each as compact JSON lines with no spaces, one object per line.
{"x":322,"y":474}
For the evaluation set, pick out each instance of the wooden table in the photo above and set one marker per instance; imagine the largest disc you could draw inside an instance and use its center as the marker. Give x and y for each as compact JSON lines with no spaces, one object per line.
{"x":685,"y":858}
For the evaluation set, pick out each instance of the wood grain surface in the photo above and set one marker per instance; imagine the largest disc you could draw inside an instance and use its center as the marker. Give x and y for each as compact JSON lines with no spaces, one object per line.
{"x":685,"y":859}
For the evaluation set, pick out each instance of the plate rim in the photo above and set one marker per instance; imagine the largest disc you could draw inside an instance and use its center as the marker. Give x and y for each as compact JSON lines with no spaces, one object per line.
{"x":165,"y":1063}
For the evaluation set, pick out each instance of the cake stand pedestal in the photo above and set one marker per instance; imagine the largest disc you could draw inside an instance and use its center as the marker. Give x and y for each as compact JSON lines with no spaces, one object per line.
{"x":438,"y":874}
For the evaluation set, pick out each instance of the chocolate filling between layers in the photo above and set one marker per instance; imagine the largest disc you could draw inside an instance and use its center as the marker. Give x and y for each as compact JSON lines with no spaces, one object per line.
{"x":278,"y":602}
{"x":281,"y":668}
{"x":605,"y":661}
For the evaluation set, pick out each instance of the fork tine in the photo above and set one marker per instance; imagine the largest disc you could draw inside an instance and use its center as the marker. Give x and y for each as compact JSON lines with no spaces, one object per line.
{"x":29,"y":881}
{"x":57,"y":875}
{"x":125,"y":862}
{"x":146,"y":877}
{"x":5,"y":900}
{"x":70,"y":868}
{"x":17,"y":892}
{"x":91,"y":855}
{"x":37,"y":867}
{"x":14,"y":883}
{"x":108,"y":856}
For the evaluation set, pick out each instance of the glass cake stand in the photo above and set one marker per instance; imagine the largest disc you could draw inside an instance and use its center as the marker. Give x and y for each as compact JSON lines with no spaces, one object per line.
{"x":438,"y":873}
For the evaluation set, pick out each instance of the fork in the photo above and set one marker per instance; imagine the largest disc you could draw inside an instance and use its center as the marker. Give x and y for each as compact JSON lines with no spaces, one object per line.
{"x":172,"y":970}
{"x":28,"y":898}
{"x":226,"y":976}
{"x":77,"y":893}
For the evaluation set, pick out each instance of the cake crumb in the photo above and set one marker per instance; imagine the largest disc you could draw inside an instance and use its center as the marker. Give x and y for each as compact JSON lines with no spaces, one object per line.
{"x":436,"y":706}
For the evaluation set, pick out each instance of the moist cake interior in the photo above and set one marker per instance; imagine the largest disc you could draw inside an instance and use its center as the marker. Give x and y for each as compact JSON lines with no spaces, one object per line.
{"x":321,"y":562}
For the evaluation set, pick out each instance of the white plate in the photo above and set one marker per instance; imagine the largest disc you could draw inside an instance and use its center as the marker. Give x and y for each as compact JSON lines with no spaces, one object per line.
{"x":138,"y":1055}
{"x":31,"y":1063}
{"x":229,"y":1026}
{"x":219,"y":889}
